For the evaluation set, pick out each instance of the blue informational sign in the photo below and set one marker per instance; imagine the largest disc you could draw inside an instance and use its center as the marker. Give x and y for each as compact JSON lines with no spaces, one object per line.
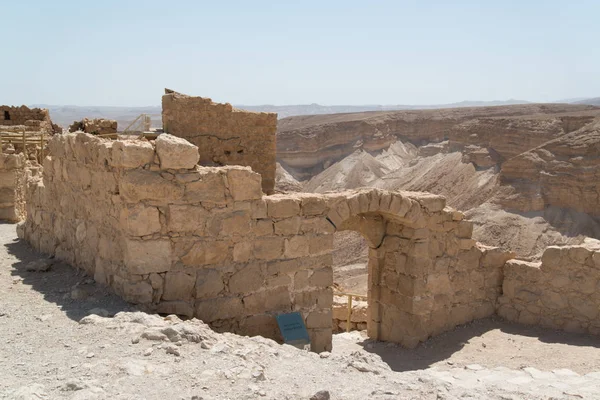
{"x":293,"y":329}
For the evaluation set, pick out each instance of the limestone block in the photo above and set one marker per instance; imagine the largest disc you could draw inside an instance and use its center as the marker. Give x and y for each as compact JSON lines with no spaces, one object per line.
{"x":209,"y":188}
{"x":322,"y":277}
{"x":288,"y":226}
{"x":399,"y":205}
{"x":320,"y":340}
{"x":236,"y":224}
{"x":187,"y":219}
{"x":244,"y":184}
{"x":139,"y":185}
{"x":178,"y":286}
{"x":301,"y":280}
{"x":140,"y":220}
{"x":137,"y":293}
{"x":317,"y":225}
{"x":318,"y":319}
{"x":176,"y":153}
{"x":465,"y":229}
{"x":432,"y":202}
{"x":7,"y":179}
{"x":209,"y":283}
{"x":313,"y":205}
{"x":131,"y":153}
{"x":320,"y":244}
{"x":318,"y":298}
{"x":268,"y":248}
{"x":248,"y":279}
{"x":279,"y":206}
{"x":206,"y":252}
{"x":242,"y":251}
{"x":263,"y":227}
{"x":269,"y":300}
{"x":297,"y":246}
{"x":219,"y":308}
{"x":147,"y":256}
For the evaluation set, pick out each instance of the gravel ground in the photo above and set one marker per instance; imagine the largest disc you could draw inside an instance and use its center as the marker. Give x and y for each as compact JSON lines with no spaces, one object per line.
{"x":64,"y":337}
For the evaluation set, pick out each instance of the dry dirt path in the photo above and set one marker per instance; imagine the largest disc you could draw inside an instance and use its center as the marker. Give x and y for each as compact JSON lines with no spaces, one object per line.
{"x":53,"y":346}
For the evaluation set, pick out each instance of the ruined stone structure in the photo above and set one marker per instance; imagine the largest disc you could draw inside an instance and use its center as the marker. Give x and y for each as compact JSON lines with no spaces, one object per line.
{"x":95,"y":126}
{"x":12,"y":187}
{"x":224,"y":135}
{"x":179,"y":238}
{"x":561,"y":292}
{"x":15,"y":119}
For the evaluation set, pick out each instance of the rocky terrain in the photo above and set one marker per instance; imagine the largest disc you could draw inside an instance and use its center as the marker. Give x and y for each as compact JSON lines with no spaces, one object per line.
{"x":65,"y":337}
{"x":527,"y":175}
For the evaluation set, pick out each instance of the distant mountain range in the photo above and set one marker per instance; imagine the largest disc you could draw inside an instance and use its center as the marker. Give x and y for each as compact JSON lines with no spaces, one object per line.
{"x":65,"y":115}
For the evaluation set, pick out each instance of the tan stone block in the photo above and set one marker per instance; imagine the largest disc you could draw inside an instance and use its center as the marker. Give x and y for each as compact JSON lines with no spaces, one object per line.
{"x":322,"y":277}
{"x":318,"y":319}
{"x":279,"y":280}
{"x":269,"y":300}
{"x":206,"y":252}
{"x":137,"y":293}
{"x":248,"y":279}
{"x":579,"y":254}
{"x":297,"y":246}
{"x":282,"y":207}
{"x":242,"y":251}
{"x":236,"y":224}
{"x":219,"y":308}
{"x":268,"y":248}
{"x":176,"y":153}
{"x":140,"y":220}
{"x":301,"y":280}
{"x":314,"y":205}
{"x":320,"y":340}
{"x":209,"y":188}
{"x":263,"y":227}
{"x":288,"y":226}
{"x":466,"y":244}
{"x":175,"y":307}
{"x":317,"y":225}
{"x":399,"y":205}
{"x":147,"y":256}
{"x":209,"y":283}
{"x":138,"y":185}
{"x":178,"y":286}
{"x":244,"y":184}
{"x":319,"y":298}
{"x":465,"y":229}
{"x":131,"y":153}
{"x":320,"y":244}
{"x":187,"y":219}
{"x":259,"y":209}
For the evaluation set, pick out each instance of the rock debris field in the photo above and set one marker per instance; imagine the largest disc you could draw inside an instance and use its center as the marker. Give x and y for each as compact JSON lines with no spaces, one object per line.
{"x":64,"y":337}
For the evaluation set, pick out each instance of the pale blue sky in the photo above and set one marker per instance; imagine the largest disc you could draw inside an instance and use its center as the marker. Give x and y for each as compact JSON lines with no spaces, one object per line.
{"x":294,"y":52}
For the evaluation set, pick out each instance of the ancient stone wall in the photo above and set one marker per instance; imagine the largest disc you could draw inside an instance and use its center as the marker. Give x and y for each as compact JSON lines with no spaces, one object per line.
{"x":31,"y":119}
{"x":12,"y":187}
{"x":223,"y":134}
{"x":561,"y":292}
{"x":175,"y":237}
{"x":95,"y":126}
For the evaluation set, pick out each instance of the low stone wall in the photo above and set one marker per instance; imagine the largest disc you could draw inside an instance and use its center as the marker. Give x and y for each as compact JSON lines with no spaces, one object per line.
{"x":95,"y":126}
{"x":358,"y":315}
{"x":12,"y":187}
{"x":561,"y":292}
{"x":145,"y":219}
{"x":15,"y":119}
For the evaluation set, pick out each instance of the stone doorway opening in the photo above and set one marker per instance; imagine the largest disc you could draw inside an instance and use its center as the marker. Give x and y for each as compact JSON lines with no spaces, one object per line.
{"x":350,"y":275}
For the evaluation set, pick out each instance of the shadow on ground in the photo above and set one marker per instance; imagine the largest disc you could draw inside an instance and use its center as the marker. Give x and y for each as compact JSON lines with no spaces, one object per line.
{"x":74,"y":292}
{"x":442,"y":347}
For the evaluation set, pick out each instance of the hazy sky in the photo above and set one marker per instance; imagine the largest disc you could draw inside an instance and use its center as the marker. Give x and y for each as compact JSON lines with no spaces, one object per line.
{"x":291,"y":52}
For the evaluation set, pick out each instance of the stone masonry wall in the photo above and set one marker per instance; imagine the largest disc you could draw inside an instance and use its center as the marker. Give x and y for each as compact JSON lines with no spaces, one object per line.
{"x":32,"y":119}
{"x":223,"y":134}
{"x":561,"y":292}
{"x":163,"y":232}
{"x":12,"y":187}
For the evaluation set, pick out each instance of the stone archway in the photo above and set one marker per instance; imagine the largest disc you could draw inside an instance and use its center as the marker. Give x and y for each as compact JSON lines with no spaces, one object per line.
{"x":413,"y":240}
